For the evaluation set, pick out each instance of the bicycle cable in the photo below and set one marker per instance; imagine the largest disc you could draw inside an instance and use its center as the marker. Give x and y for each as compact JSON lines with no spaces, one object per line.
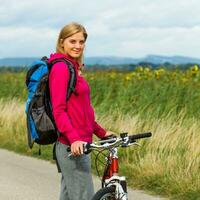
{"x":97,"y":159}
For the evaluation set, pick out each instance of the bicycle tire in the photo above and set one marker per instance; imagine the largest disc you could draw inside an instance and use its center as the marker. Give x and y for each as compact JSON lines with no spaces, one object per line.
{"x":107,"y":193}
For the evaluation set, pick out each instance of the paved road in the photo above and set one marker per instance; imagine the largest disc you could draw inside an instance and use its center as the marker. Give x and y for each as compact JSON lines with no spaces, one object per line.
{"x":26,"y":178}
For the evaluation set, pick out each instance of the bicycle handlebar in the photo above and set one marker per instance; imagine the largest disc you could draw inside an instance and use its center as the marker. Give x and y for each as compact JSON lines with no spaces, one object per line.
{"x":124,"y":140}
{"x":132,"y":138}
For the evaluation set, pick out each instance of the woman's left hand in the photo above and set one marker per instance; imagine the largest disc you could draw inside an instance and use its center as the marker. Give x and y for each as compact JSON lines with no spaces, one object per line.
{"x":109,"y":133}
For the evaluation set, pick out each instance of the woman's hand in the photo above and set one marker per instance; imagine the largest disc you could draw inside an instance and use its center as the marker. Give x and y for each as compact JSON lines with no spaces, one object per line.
{"x":109,"y":133}
{"x":77,"y":148}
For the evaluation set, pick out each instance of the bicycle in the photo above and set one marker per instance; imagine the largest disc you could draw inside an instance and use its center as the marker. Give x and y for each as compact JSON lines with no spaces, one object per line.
{"x":114,"y":187}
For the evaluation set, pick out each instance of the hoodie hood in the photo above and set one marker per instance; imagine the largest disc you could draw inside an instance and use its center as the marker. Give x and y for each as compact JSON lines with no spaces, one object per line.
{"x":55,"y":56}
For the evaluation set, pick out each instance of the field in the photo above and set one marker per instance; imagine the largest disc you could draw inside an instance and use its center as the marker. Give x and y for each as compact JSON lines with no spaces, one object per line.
{"x":165,"y":102}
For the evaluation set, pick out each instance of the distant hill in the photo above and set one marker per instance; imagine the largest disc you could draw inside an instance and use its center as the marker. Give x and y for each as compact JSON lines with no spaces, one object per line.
{"x":154,"y":59}
{"x":17,"y":61}
{"x":111,"y":60}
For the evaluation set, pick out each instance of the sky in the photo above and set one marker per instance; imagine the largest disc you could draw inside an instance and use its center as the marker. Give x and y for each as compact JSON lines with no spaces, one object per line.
{"x":125,"y":28}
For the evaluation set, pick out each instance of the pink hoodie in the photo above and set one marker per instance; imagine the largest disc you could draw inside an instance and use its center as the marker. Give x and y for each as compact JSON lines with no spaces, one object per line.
{"x":74,"y":118}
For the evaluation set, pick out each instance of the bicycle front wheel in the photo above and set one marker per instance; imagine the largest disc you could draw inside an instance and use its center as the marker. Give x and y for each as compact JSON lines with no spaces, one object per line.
{"x":107,"y":193}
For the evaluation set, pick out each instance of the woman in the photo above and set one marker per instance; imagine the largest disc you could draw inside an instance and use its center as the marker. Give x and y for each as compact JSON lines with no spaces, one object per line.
{"x":74,"y":118}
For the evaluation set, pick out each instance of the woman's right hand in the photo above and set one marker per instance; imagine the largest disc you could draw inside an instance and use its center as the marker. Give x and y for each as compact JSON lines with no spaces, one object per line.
{"x":77,"y":148}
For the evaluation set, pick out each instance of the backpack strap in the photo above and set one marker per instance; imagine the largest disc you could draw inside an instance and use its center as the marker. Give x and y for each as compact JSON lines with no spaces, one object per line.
{"x":73,"y":77}
{"x":72,"y":80}
{"x":32,"y":69}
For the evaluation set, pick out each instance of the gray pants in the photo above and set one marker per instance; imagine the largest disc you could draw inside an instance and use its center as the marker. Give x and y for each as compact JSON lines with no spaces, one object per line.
{"x":76,"y":181}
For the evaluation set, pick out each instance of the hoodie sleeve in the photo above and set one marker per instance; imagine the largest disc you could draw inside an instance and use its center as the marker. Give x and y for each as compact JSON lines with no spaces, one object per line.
{"x":98,"y":130}
{"x":58,"y":84}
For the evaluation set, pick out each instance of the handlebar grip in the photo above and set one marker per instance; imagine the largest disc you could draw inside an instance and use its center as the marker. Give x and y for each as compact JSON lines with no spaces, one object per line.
{"x":69,"y":149}
{"x":139,"y":136}
{"x":86,"y":148}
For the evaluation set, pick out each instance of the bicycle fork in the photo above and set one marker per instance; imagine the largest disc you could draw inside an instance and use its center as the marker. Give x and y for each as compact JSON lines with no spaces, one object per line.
{"x":111,"y":177}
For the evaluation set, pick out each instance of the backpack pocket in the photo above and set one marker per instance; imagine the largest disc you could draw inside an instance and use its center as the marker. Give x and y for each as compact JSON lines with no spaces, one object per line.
{"x":42,"y":120}
{"x":45,"y":128}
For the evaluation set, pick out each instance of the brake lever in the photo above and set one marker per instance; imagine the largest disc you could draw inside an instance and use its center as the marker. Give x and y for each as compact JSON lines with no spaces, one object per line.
{"x":134,"y":143}
{"x":70,"y":155}
{"x":127,"y":144}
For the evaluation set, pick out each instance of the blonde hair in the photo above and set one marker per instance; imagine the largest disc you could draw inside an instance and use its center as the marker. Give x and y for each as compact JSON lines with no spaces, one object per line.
{"x":68,"y":31}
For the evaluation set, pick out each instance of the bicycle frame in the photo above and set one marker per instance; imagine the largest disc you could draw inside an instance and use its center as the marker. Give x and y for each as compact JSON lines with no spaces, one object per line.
{"x":112,"y":164}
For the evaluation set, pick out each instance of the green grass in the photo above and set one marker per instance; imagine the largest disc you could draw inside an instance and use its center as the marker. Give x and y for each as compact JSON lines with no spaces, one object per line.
{"x":111,"y":91}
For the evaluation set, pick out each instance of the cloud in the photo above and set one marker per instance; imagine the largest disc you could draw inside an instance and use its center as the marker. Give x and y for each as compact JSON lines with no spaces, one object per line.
{"x":121,"y":13}
{"x":138,"y":42}
{"x":167,"y":41}
{"x":120,"y":28}
{"x":26,"y":42}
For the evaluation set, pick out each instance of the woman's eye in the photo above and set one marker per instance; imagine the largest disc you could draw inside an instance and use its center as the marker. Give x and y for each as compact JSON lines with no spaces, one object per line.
{"x":73,"y":41}
{"x":82,"y":42}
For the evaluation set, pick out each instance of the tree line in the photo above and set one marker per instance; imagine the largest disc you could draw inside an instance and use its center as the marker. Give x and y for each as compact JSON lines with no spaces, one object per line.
{"x":121,"y":67}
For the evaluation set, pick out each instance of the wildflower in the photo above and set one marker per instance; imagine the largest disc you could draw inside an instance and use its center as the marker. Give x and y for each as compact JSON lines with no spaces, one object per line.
{"x":139,"y":69}
{"x":146,"y":70}
{"x":194,"y":70}
{"x":133,"y":74}
{"x":157,"y":74}
{"x":128,"y":78}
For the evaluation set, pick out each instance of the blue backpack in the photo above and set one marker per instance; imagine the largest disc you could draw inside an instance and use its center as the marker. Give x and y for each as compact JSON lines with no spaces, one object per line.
{"x":41,"y":126}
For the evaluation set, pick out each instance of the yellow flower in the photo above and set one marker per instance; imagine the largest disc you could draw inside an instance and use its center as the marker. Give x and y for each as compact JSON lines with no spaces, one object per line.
{"x":194,"y":69}
{"x":139,"y":69}
{"x":161,"y":71}
{"x":157,"y":74}
{"x":146,"y":70}
{"x":133,"y":74}
{"x":128,"y":78}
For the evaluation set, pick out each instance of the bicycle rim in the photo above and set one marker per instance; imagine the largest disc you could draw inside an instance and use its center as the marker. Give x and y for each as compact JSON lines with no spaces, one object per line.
{"x":107,"y":193}
{"x":108,"y":197}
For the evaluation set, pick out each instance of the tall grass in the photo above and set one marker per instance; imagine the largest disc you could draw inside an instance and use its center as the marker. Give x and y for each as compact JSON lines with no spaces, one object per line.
{"x":168,"y":163}
{"x":166,"y":96}
{"x":13,"y":132}
{"x":156,"y":97}
{"x":12,"y":125}
{"x":12,"y":85}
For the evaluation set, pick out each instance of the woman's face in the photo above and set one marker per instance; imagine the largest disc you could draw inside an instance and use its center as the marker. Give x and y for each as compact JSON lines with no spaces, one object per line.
{"x":74,"y":45}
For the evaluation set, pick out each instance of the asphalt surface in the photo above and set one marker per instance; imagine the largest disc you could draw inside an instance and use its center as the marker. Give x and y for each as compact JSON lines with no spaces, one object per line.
{"x":27,"y":178}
